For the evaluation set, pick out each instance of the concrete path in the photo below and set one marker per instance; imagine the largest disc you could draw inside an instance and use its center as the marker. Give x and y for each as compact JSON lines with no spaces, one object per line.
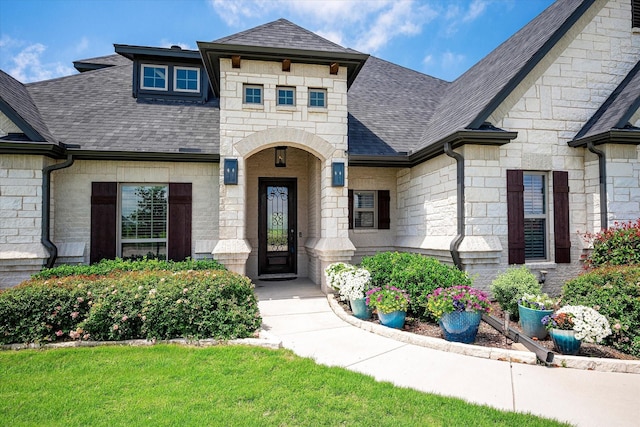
{"x":298,"y":313}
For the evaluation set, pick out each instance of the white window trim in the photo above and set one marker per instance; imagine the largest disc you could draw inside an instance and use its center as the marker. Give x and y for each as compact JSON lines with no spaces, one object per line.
{"x":291,"y":88}
{"x":119,"y":239}
{"x":175,"y":79}
{"x":166,"y":77}
{"x":244,"y":95}
{"x":324,"y":107}
{"x":545,"y":216}
{"x":373,"y":209}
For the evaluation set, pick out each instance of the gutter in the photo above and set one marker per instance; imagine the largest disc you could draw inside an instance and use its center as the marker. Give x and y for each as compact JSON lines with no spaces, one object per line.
{"x":46,"y":209}
{"x":454,"y":247}
{"x":602,"y":167}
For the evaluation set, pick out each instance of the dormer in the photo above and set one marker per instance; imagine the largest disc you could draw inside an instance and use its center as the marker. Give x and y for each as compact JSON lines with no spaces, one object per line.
{"x":167,"y":74}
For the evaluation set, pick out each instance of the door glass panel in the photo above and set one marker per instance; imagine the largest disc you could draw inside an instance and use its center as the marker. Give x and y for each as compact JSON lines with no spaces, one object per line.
{"x":277,"y":219}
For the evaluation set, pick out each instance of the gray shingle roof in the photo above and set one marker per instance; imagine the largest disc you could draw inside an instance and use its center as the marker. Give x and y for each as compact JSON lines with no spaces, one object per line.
{"x":16,"y":98}
{"x":96,"y":111}
{"x":389,"y":107}
{"x":471,"y":98}
{"x":100,"y":62}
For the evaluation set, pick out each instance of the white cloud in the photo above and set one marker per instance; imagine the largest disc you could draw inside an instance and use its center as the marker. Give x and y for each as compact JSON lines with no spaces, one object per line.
{"x":476,"y":9}
{"x":82,"y":45}
{"x":26,"y":65}
{"x":167,"y":43}
{"x":452,"y":60}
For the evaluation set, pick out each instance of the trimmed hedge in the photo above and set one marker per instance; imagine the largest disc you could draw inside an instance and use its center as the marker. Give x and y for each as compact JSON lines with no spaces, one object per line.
{"x":125,"y":305}
{"x":415,"y":273}
{"x":615,"y":293}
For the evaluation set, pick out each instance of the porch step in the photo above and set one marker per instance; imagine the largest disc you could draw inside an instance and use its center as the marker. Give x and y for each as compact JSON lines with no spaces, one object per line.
{"x":283,"y":276}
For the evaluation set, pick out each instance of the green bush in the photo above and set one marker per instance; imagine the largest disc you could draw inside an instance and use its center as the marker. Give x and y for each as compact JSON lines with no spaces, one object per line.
{"x":618,"y":245}
{"x":417,"y":274}
{"x":615,"y":293}
{"x":508,"y":287}
{"x":106,"y":266}
{"x":124,"y":305}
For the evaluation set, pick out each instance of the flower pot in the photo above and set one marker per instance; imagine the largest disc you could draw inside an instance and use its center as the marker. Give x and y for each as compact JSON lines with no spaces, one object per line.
{"x":565,"y":341}
{"x":395,"y":319}
{"x":531,"y":322}
{"x":460,"y":326}
{"x":360,"y":308}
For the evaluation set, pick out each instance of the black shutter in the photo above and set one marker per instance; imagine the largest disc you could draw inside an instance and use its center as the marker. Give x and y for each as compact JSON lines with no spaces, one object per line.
{"x":562,"y":239}
{"x":384,"y":220}
{"x":515,"y":216}
{"x":104,"y":197}
{"x":179,"y":244}
{"x":635,"y":13}
{"x":350,"y":209}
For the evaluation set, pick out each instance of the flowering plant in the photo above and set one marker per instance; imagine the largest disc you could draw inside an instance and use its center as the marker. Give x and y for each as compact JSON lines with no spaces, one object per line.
{"x":350,"y":281}
{"x":588,"y":324}
{"x":387,"y":299}
{"x":537,"y":302}
{"x":457,"y":298}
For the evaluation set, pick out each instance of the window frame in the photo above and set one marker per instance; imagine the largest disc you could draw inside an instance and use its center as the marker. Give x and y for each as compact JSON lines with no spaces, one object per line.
{"x":324,"y":95}
{"x":166,"y":77}
{"x":175,"y":79}
{"x":287,"y":89}
{"x":373,"y":209}
{"x":538,"y":216}
{"x":119,"y":237}
{"x":252,"y":86}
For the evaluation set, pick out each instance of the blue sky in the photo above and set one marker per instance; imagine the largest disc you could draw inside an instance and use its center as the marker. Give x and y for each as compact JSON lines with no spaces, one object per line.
{"x":40,"y":39}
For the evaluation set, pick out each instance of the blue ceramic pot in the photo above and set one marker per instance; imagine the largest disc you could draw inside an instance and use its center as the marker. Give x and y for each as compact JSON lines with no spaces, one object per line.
{"x":395,"y":319}
{"x":565,"y":341}
{"x":360,"y":308}
{"x":531,"y":322}
{"x":460,"y":326}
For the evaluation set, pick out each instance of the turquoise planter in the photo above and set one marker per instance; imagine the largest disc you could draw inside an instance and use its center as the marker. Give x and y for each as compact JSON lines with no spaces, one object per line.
{"x":531,"y":322}
{"x":360,"y":308}
{"x":395,"y":319}
{"x":460,"y":326}
{"x":565,"y":341}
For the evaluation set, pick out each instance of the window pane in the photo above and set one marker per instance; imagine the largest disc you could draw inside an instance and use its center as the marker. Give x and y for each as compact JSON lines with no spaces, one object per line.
{"x":154,"y":77}
{"x":186,"y":79}
{"x":534,"y":198}
{"x":534,"y":238}
{"x":364,"y":219}
{"x":253,"y":95}
{"x":316,"y":98}
{"x":364,"y":200}
{"x":144,"y":217}
{"x":150,"y":250}
{"x":285,"y":97}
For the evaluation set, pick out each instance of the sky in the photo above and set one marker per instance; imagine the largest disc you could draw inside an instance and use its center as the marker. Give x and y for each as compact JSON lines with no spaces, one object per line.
{"x":40,"y":39}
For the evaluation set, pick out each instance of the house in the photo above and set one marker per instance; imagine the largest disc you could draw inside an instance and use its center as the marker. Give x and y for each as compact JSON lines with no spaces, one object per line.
{"x":278,"y":152}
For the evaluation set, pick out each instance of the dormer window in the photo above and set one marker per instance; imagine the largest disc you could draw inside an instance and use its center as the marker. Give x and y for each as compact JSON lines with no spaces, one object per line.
{"x":186,"y":79}
{"x":154,"y":77}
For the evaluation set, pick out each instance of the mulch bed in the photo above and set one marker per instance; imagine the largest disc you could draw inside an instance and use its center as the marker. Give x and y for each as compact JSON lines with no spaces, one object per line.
{"x":490,"y":337}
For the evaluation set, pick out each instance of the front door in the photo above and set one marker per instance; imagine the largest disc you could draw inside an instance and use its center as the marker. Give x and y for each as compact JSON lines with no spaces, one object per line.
{"x":277,"y":227}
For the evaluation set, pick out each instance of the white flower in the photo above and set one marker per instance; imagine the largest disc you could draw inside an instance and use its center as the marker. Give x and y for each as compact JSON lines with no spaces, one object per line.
{"x":350,"y":281}
{"x":588,"y":324}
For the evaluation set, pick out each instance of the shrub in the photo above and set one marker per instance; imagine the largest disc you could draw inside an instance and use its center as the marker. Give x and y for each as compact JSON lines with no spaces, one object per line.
{"x":124,"y":305}
{"x":106,"y":266}
{"x":511,"y":285}
{"x":618,"y":245}
{"x":615,"y":293}
{"x":417,"y":274}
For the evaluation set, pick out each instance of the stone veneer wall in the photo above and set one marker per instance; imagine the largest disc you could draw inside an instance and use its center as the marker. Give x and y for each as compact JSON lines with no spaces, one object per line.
{"x":71,"y":192}
{"x":21,"y":253}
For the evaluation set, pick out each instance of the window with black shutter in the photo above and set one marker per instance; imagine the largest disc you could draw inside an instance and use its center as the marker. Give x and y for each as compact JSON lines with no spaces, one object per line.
{"x":369,"y":209}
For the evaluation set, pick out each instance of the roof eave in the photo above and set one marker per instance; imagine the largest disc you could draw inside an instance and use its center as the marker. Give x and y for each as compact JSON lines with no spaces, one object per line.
{"x":182,"y":156}
{"x":52,"y":150}
{"x":132,"y":52}
{"x":24,"y":126}
{"x":614,"y":136}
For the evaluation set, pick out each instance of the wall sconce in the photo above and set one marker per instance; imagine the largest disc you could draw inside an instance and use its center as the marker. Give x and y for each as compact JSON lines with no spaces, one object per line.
{"x":231,"y":171}
{"x":281,"y":157}
{"x":337,"y":174}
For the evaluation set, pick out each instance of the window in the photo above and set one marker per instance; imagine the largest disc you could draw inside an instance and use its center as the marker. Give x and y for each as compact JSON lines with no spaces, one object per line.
{"x":318,"y":98}
{"x":286,"y":96}
{"x":186,"y":79}
{"x":252,"y":94}
{"x":635,"y":13}
{"x":369,"y":209}
{"x":528,"y":220}
{"x":143,"y":221}
{"x":154,"y":77}
{"x":535,"y":217}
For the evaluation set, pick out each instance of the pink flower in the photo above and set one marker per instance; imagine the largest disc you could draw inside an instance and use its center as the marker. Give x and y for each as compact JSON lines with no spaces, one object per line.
{"x":59,"y":333}
{"x":80,"y":299}
{"x":74,"y":314}
{"x":115,"y":327}
{"x":124,"y":318}
{"x":617,"y":326}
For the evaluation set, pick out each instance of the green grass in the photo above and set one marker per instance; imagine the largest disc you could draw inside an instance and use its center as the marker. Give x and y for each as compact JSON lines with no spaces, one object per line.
{"x":216,"y":386}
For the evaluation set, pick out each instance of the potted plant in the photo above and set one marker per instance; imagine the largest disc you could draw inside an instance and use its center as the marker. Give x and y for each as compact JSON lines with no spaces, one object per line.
{"x":458,"y":310}
{"x":573,"y":324}
{"x":390,"y":303}
{"x":351,"y":283}
{"x":532,"y":308}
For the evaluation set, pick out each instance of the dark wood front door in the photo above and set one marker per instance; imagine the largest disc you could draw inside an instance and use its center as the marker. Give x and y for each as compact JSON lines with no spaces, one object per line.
{"x":278,"y":226}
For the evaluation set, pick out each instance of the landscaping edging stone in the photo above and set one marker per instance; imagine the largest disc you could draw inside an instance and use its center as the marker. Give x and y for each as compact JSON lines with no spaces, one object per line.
{"x":515,"y":356}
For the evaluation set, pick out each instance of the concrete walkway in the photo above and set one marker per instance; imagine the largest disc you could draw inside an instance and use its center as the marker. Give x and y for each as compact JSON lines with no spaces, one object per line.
{"x":298,"y":313}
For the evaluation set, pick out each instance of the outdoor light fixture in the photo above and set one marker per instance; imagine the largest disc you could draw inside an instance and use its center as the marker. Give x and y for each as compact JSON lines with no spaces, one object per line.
{"x":337,"y":174}
{"x":231,"y":171}
{"x":281,"y":157}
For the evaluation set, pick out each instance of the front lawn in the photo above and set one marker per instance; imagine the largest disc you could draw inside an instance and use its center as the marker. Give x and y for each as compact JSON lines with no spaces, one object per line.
{"x":225,"y":385}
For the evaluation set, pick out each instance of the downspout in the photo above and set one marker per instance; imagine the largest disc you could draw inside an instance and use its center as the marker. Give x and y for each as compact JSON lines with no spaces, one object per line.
{"x":46,"y":208}
{"x":455,"y":243}
{"x":602,"y":167}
